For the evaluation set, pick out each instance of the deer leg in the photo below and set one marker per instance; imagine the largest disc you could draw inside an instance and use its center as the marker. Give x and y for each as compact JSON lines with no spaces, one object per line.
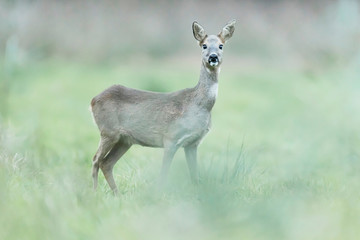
{"x":169,"y":153}
{"x":95,"y":169}
{"x":105,"y":146}
{"x":107,"y":164}
{"x":191,"y":158}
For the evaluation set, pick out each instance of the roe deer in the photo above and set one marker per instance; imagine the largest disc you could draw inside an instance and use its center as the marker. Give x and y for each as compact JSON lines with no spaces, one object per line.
{"x":128,"y":116}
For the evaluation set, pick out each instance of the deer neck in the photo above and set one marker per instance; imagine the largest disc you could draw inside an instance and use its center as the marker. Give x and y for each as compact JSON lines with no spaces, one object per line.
{"x":207,"y":88}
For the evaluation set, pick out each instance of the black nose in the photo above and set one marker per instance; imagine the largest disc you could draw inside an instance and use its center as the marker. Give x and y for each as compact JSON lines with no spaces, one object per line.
{"x":213,"y":58}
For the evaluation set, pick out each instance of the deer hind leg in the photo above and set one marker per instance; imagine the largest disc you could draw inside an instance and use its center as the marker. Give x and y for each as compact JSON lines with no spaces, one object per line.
{"x":105,"y":145}
{"x":107,"y":164}
{"x":95,"y":169}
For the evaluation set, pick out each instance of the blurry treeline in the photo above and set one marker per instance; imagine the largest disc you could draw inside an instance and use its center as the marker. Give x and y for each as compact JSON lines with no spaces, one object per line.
{"x":301,"y":33}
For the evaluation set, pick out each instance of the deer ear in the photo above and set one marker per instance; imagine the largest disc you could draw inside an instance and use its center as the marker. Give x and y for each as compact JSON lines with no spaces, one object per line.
{"x":198,"y":31}
{"x":227,"y":31}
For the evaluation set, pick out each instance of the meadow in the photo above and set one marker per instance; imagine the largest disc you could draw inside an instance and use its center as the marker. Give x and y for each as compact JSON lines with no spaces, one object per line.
{"x":282,"y":160}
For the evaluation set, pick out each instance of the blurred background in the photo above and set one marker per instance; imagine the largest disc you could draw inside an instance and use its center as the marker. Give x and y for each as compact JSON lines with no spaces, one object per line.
{"x":303,"y":34}
{"x":282,"y":160}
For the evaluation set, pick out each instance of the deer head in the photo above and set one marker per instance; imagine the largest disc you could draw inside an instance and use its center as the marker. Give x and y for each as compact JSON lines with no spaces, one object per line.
{"x":212,"y":45}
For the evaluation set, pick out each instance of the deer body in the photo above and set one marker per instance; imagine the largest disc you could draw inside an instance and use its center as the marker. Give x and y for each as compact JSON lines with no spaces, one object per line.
{"x":128,"y":116}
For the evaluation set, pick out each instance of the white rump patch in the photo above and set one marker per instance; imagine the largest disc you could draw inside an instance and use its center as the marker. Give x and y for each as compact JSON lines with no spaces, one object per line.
{"x":92,"y":114}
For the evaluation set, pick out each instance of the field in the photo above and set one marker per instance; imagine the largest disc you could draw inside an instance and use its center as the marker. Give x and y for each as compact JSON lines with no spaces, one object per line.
{"x":282,"y":160}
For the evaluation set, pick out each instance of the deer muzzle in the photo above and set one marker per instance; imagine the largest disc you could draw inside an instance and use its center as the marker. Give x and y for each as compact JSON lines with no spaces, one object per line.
{"x":213,"y":60}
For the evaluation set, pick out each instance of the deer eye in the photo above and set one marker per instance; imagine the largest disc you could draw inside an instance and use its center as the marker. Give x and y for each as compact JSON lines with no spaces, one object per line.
{"x":204,"y":46}
{"x":221,"y":46}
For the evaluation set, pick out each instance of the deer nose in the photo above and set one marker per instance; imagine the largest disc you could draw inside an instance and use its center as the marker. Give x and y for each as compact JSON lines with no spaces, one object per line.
{"x":213,"y":58}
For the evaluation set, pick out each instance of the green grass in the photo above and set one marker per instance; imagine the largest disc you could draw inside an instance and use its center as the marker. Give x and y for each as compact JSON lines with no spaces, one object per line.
{"x":282,"y":160}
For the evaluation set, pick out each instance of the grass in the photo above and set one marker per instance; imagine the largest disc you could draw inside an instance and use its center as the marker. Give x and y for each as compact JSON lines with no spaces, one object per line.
{"x":282,"y":160}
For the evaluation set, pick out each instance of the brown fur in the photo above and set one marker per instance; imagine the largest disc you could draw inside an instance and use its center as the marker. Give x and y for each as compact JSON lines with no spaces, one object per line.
{"x":127,"y":116}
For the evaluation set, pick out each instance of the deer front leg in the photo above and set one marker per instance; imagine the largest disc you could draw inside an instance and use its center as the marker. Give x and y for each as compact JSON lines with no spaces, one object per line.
{"x":169,"y":153}
{"x":191,"y":158}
